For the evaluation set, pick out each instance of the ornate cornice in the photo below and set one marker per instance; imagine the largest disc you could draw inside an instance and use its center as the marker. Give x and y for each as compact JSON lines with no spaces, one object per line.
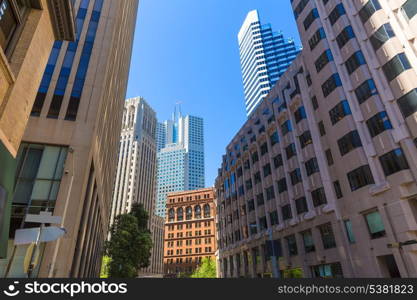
{"x":62,"y":17}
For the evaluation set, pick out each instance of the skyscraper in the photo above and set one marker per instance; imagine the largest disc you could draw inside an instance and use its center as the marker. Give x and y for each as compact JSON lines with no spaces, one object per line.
{"x":136,"y":173}
{"x":264,"y":57}
{"x":323,"y":175}
{"x":181,"y":157}
{"x":70,"y":144}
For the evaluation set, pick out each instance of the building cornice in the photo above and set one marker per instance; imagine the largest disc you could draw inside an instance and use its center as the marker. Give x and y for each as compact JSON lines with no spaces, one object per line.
{"x":63,"y":20}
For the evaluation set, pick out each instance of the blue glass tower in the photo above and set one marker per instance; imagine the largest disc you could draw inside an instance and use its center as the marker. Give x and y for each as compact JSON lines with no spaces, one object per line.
{"x":180,"y":144}
{"x":264,"y":56}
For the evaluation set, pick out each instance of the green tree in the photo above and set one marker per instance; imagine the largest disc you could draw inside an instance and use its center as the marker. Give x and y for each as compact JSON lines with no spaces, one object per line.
{"x":129,"y":248}
{"x":207,"y":269}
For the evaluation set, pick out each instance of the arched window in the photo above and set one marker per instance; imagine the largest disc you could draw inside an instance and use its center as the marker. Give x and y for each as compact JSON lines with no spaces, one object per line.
{"x":206,"y":211}
{"x":188,"y":213}
{"x":171,"y":215}
{"x":180,"y":214}
{"x":197,"y":212}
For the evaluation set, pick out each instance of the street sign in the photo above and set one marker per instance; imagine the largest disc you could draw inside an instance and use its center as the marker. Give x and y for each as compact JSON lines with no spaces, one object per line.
{"x":43,"y":218}
{"x":30,"y":235}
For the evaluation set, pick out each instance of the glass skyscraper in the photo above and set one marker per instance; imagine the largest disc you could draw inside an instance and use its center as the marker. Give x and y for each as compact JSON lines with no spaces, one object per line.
{"x":264,"y":57}
{"x":180,"y":144}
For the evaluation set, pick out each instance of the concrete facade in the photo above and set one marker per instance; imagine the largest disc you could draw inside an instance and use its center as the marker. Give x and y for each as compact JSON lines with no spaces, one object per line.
{"x":24,"y":51}
{"x":190,"y":229}
{"x":86,"y":122}
{"x":327,"y":163}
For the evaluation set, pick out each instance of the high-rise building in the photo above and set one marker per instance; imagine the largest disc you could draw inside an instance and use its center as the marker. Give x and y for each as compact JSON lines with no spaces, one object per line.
{"x":323,"y":176}
{"x":264,"y":57}
{"x":136,"y":173}
{"x":190,"y":230}
{"x":181,"y":157}
{"x":28,"y":30}
{"x":66,"y":164}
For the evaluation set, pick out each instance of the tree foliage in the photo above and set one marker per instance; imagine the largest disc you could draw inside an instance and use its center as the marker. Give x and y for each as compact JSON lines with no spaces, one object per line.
{"x":207,"y":269}
{"x":129,"y":248}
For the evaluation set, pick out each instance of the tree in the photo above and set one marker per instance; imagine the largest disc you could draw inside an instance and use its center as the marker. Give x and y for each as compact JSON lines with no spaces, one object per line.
{"x":207,"y":269}
{"x":129,"y":248}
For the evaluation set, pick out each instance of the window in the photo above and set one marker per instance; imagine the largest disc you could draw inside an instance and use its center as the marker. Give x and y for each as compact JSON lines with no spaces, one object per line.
{"x":257,"y":177}
{"x":314,"y":14}
{"x":375,"y":225}
{"x":295,"y":176}
{"x":255,"y":157}
{"x":260,"y":199}
{"x":338,"y":11}
{"x":188,"y":213}
{"x":393,"y":162}
{"x":197,"y":212}
{"x":378,"y":123}
{"x":278,"y":161}
{"x":253,"y":228}
{"x":273,"y":217}
{"x":301,"y":205}
{"x":365,"y":91}
{"x":171,"y":215}
{"x":290,"y":151}
{"x":299,"y":8}
{"x":349,"y":142}
{"x":274,"y":138}
{"x":383,"y":34}
{"x":264,"y":149}
{"x":322,"y":129}
{"x":319,"y":197}
{"x":312,"y":166}
{"x":397,"y":65}
{"x":331,"y":84}
{"x":316,"y":38}
{"x":323,"y":60}
{"x":368,"y":10}
{"x":248,"y":184}
{"x":300,"y":114}
{"x":337,"y":189}
{"x":305,"y":139}
{"x":408,"y":103}
{"x":327,"y":236}
{"x":263,"y":224}
{"x":286,"y":127}
{"x":292,"y":245}
{"x":314,"y":102}
{"x":286,"y":212}
{"x":38,"y":178}
{"x":207,"y":212}
{"x":282,"y":185}
{"x":409,"y":9}
{"x":349,"y":231}
{"x":333,"y":270}
{"x":344,"y":36}
{"x":308,"y":241}
{"x":360,"y":177}
{"x":9,"y":22}
{"x":180,"y":214}
{"x":329,"y":157}
{"x":270,"y":194}
{"x":251,"y":205}
{"x":355,"y":61}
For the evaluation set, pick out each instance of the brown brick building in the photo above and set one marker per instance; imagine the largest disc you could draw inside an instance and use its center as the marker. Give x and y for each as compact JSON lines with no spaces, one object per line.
{"x":189,"y":230}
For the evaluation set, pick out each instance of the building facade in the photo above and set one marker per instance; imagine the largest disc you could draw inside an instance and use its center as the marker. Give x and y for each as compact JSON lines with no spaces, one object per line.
{"x":190,"y":229}
{"x":322,"y":178}
{"x":136,"y":173}
{"x":27,"y":33}
{"x":67,"y":160}
{"x":264,"y":57}
{"x":180,"y":158}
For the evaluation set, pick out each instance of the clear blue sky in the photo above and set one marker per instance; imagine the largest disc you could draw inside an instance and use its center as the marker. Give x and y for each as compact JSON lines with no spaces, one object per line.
{"x":186,"y":50}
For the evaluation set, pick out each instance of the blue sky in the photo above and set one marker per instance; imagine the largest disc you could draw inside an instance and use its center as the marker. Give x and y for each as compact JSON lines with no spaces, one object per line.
{"x":186,"y":50}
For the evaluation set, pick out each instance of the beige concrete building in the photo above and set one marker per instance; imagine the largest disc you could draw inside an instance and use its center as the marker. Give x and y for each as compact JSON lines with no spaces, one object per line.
{"x":67,"y":161}
{"x":190,"y":229}
{"x":136,"y":173}
{"x":28,"y":30}
{"x":323,"y":176}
